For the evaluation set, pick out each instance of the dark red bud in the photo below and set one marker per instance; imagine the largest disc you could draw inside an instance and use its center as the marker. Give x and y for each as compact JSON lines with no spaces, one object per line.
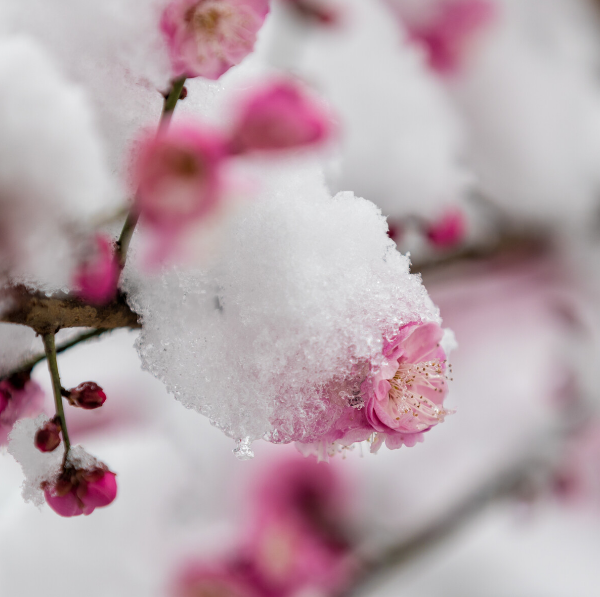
{"x":184,"y":93}
{"x":88,"y":395}
{"x":47,"y":437}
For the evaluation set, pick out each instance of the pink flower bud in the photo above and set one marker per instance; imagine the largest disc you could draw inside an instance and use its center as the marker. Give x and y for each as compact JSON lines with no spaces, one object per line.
{"x":96,"y":279}
{"x":446,"y":37}
{"x":448,"y":231}
{"x":316,"y":11}
{"x":47,"y":438}
{"x":88,"y":395}
{"x":79,"y":491}
{"x":207,"y":37}
{"x":177,"y":174}
{"x":279,"y":116}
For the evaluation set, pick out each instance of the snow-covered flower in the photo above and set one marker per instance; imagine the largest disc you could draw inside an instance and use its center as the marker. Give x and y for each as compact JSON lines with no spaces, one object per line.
{"x":279,"y":115}
{"x":80,"y":490}
{"x":207,"y":37}
{"x":20,"y":397}
{"x":398,"y":401}
{"x":404,"y":398}
{"x":96,"y":279}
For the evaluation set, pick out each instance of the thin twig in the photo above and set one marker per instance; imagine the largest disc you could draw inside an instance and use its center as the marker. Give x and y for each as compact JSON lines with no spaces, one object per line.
{"x":33,"y":361}
{"x":522,"y":475}
{"x":49,"y":345}
{"x":133,"y":216}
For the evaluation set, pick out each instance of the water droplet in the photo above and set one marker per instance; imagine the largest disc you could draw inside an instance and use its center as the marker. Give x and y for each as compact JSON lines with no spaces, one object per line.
{"x":242,"y":449}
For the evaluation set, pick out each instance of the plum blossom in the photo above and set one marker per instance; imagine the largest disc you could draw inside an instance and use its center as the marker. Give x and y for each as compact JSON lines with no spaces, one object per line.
{"x":399,"y":401}
{"x":448,"y":230}
{"x":20,"y":397}
{"x":96,"y":279}
{"x":207,"y":37}
{"x":279,"y":115}
{"x":177,"y":174}
{"x":80,"y":491}
{"x":447,"y":35}
{"x":299,"y":538}
{"x":87,"y":395}
{"x":203,"y":580}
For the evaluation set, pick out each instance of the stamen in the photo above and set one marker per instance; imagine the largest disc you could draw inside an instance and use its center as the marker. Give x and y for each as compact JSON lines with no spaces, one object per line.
{"x":405,"y":401}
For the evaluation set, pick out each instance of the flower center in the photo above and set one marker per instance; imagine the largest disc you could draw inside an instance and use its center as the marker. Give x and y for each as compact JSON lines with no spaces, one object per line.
{"x":409,"y":386}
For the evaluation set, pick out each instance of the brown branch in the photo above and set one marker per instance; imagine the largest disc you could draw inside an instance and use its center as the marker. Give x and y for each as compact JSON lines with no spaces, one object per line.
{"x":47,"y":315}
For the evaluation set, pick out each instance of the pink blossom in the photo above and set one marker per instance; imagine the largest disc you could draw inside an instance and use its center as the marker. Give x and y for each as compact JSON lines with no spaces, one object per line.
{"x":177,"y":174}
{"x":87,"y":395}
{"x":47,"y":437}
{"x":404,"y":398}
{"x":447,"y":231}
{"x":280,"y":115}
{"x":79,"y":491}
{"x":447,"y":34}
{"x":207,"y":37}
{"x":202,"y":580}
{"x":399,"y":401}
{"x":20,"y":397}
{"x":299,"y":539}
{"x":96,"y":279}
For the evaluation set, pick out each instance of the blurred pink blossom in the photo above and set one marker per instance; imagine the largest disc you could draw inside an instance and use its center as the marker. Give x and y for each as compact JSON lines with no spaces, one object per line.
{"x":279,"y":115}
{"x":453,"y":26}
{"x":79,"y":491}
{"x":299,"y":538}
{"x":447,"y":231}
{"x":96,"y":279}
{"x":20,"y":397}
{"x":202,"y":580}
{"x":207,"y":37}
{"x":577,"y":478}
{"x":177,"y":174}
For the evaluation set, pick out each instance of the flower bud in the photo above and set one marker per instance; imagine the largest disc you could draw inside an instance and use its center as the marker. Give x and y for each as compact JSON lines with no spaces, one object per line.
{"x":79,"y":491}
{"x":88,"y":395}
{"x":279,"y":116}
{"x":47,"y":438}
{"x":448,"y":231}
{"x":96,"y":278}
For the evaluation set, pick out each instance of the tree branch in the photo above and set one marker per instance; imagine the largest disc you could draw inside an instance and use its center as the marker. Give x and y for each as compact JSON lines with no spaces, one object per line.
{"x":47,"y":315}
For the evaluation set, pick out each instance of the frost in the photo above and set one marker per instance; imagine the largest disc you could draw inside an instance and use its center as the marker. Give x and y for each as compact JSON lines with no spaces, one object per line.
{"x":37,"y":466}
{"x":301,"y":294}
{"x":52,"y":174}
